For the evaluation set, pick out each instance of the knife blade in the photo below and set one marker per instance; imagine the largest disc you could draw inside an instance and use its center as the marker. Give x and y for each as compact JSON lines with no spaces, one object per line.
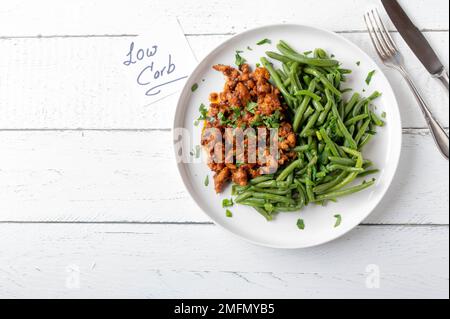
{"x":414,"y":38}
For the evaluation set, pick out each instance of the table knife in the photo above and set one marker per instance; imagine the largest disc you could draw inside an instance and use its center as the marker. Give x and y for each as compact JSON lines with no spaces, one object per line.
{"x":416,"y":40}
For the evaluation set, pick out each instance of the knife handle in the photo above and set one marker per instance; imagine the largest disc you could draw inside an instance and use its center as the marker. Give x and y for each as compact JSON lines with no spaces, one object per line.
{"x":444,"y":78}
{"x":438,"y":133}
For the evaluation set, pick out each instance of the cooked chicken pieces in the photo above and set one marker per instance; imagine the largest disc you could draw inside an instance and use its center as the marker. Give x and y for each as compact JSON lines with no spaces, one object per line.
{"x":248,"y":100}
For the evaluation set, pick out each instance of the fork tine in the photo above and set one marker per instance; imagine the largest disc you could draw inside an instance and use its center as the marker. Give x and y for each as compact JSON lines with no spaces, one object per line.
{"x":372,"y":33}
{"x":378,"y":34}
{"x":384,"y":33}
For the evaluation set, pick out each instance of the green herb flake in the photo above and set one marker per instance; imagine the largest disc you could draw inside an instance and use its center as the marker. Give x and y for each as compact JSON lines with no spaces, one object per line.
{"x":307,"y":53}
{"x":301,"y":224}
{"x":251,"y":106}
{"x":383,"y":115}
{"x":194,"y":87}
{"x":370,"y":76}
{"x":203,"y":112}
{"x":358,"y":63}
{"x":239,"y":59}
{"x":228,"y":213}
{"x":206,"y":181}
{"x":249,"y":48}
{"x":227,"y":202}
{"x":258,"y":65}
{"x":338,"y":220}
{"x":264,"y":41}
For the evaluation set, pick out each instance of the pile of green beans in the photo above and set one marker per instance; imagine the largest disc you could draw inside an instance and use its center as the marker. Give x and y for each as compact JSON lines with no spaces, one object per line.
{"x":331,"y":133}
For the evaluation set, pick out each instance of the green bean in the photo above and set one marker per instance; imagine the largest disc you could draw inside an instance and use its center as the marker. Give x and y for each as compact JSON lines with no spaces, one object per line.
{"x":319,"y":107}
{"x":320,"y":53}
{"x":272,"y":197}
{"x":365,"y":140}
{"x":360,"y":104}
{"x":282,"y":75}
{"x":309,"y":111}
{"x":324,"y":114}
{"x":301,"y":110}
{"x":348,"y":137}
{"x":305,"y":60}
{"x":356,"y":119}
{"x":272,"y":191}
{"x":278,"y":57}
{"x":362,"y":131}
{"x":277,"y":80}
{"x":309,"y":191}
{"x":300,"y":149}
{"x":344,"y":192}
{"x":347,"y":161}
{"x":243,"y":196}
{"x":375,"y":119}
{"x":237,"y":189}
{"x":311,"y":122}
{"x":281,"y":209}
{"x":312,"y":95}
{"x":368,"y":172}
{"x":334,"y":167}
{"x":254,"y":202}
{"x":261,"y":179}
{"x":322,"y":188}
{"x":351,"y":176}
{"x":324,"y":80}
{"x":329,"y":142}
{"x":264,"y":213}
{"x":267,"y":184}
{"x":288,"y":170}
{"x":293,"y":75}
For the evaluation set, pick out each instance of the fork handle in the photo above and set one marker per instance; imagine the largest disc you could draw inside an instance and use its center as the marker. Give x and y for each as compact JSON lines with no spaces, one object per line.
{"x":439,"y":135}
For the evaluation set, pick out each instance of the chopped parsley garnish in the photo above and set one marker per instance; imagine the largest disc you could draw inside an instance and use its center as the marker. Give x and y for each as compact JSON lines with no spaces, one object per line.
{"x":264,"y":41}
{"x":206,"y":182}
{"x":194,"y":87}
{"x":228,"y":213}
{"x":338,"y":220}
{"x":223,"y":120}
{"x":236,"y":113}
{"x":227,"y":202}
{"x":239,"y":59}
{"x":258,"y":65}
{"x":250,"y":49}
{"x":301,"y":224}
{"x":203,"y":112}
{"x":370,"y":76}
{"x":272,"y":121}
{"x":383,"y":115}
{"x":251,"y":107}
{"x":358,"y":63}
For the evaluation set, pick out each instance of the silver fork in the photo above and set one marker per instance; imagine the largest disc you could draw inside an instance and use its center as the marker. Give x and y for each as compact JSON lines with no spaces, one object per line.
{"x":391,"y":57}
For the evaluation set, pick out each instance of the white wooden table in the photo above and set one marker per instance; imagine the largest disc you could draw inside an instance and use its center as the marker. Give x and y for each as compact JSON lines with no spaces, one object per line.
{"x":81,"y":213}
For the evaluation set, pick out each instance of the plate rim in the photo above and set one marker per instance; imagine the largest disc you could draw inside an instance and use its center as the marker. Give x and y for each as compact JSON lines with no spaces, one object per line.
{"x":396,"y":151}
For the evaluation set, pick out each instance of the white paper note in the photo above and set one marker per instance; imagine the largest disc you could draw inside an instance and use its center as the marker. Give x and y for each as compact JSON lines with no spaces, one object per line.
{"x":157,"y":62}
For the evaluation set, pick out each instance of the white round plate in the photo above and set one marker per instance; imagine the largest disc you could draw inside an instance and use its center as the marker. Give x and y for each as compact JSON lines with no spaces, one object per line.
{"x":383,"y":150}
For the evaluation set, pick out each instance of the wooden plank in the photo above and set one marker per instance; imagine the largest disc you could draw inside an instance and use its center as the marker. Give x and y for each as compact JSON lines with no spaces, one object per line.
{"x":51,"y":17}
{"x":66,"y":83}
{"x":131,"y":176}
{"x":167,"y":261}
